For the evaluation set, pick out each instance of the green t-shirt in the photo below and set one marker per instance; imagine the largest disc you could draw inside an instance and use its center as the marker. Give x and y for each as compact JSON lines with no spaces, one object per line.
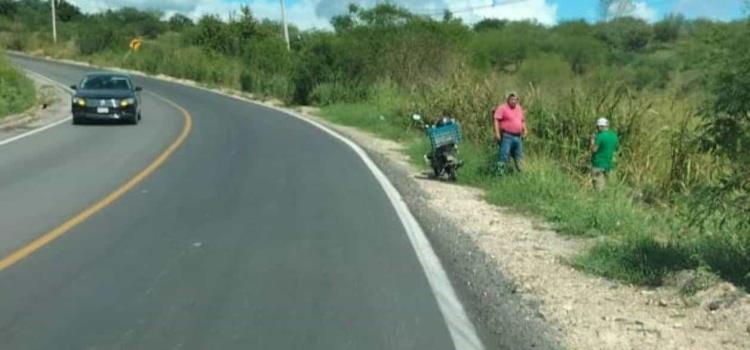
{"x":606,"y":143}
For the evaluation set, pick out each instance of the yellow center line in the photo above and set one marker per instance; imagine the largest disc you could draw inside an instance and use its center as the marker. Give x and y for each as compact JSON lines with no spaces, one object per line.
{"x":74,"y":221}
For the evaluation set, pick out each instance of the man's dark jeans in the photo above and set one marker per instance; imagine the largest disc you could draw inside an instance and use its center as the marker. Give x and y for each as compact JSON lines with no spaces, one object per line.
{"x":510,"y":146}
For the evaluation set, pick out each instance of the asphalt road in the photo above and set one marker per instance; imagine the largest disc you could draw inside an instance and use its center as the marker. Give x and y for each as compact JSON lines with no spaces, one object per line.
{"x":259,"y":232}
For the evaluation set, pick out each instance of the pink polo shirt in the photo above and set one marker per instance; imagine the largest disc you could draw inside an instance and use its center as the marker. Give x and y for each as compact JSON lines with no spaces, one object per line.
{"x":510,"y":119}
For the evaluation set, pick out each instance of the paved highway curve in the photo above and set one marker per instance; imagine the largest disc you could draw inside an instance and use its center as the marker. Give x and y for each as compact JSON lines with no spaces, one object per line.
{"x":258,"y":232}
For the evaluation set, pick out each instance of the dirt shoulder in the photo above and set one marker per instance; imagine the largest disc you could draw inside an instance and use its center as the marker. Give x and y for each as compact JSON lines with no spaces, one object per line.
{"x":511,"y":265}
{"x":52,"y":106}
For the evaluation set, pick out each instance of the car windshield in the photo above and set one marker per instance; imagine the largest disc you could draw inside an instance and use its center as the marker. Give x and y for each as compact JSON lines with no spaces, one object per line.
{"x":105,"y":82}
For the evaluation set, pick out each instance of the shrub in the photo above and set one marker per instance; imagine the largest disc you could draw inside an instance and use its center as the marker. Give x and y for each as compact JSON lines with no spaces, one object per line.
{"x":268,"y":68}
{"x":96,"y":39}
{"x":668,"y":29}
{"x":582,"y":52}
{"x":638,"y":258}
{"x":546,"y":70}
{"x":626,"y":33}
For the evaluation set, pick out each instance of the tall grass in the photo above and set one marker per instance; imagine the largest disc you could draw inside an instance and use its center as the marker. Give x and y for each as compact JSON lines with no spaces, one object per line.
{"x":635,"y":242}
{"x":166,"y":56}
{"x":16,"y":90}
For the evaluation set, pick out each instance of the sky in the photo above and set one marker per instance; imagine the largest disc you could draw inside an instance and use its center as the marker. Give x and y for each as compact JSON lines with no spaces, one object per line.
{"x":308,"y":14}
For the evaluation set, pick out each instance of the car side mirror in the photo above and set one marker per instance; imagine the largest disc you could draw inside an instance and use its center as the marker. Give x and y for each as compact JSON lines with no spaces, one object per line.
{"x":138,"y":88}
{"x":74,"y":87}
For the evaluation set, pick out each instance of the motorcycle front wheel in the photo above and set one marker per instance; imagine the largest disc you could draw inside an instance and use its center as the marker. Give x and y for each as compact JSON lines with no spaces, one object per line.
{"x":452,"y":172}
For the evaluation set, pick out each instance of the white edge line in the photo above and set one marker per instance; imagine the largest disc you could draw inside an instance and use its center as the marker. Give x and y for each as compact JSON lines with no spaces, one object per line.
{"x":461,"y":329}
{"x":459,"y":326}
{"x":40,"y":129}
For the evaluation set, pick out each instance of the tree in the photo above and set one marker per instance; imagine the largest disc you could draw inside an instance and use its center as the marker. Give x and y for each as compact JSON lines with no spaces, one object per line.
{"x":489,"y":24}
{"x":129,"y":22}
{"x":8,"y":8}
{"x":610,"y":9}
{"x":729,"y":134}
{"x":574,"y":28}
{"x":626,"y":33}
{"x":67,"y":12}
{"x":668,"y":29}
{"x":731,"y":120}
{"x":178,"y":22}
{"x":581,"y":52}
{"x":384,"y":15}
{"x":318,"y":53}
{"x":246,"y":26}
{"x":211,"y":33}
{"x":447,"y":16}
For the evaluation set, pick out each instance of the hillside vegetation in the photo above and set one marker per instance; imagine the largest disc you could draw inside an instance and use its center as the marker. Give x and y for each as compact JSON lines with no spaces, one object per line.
{"x":677,"y":92}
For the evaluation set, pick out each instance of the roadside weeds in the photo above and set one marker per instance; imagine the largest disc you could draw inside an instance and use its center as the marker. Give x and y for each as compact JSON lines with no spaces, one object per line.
{"x":50,"y":107}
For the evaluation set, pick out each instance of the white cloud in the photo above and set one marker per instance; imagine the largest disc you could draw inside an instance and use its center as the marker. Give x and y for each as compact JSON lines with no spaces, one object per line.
{"x":301,"y":13}
{"x":643,"y":11}
{"x":470,"y":11}
{"x":637,"y":9}
{"x":538,"y":10}
{"x":317,"y":13}
{"x":184,"y":6}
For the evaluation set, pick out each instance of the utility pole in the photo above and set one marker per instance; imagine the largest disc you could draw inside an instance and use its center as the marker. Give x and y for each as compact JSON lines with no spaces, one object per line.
{"x":54,"y":21}
{"x":286,"y":28}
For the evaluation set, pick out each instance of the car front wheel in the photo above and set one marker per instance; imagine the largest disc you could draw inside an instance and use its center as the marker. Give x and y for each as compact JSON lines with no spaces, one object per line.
{"x":134,"y":119}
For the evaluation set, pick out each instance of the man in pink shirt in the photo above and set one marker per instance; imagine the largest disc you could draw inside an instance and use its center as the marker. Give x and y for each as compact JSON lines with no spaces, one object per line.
{"x":510,"y":129}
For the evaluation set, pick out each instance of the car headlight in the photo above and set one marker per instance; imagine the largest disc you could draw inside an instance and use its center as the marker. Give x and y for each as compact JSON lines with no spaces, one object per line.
{"x":79,"y":101}
{"x":126,"y":102}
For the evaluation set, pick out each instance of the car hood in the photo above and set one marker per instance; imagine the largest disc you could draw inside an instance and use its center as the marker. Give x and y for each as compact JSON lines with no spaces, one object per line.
{"x":104,"y":94}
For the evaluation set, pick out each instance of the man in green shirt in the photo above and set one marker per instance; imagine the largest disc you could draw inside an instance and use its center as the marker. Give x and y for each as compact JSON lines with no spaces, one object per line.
{"x":603,"y":145}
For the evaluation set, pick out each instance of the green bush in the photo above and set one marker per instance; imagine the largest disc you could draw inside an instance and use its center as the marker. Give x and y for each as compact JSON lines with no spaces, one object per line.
{"x":626,"y":33}
{"x":651,"y":73}
{"x":639,"y":259}
{"x":268,"y":68}
{"x":581,"y":51}
{"x":315,"y":64}
{"x":330,"y":93}
{"x":668,"y":29}
{"x":8,"y":8}
{"x":506,"y":49}
{"x":546,"y":70}
{"x":96,"y":39}
{"x":727,"y":253}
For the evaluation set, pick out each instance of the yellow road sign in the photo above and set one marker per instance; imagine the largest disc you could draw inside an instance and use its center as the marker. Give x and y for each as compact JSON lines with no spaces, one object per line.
{"x":135,"y":44}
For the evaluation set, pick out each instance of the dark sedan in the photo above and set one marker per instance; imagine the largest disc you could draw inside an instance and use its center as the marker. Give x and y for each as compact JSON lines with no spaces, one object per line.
{"x":106,"y":96}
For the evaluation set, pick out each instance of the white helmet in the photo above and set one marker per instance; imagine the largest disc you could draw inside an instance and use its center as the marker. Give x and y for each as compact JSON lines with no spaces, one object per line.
{"x":602,"y":122}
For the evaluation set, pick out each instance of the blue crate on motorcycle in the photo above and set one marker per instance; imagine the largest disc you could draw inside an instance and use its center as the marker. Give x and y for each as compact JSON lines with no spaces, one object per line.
{"x":444,"y":135}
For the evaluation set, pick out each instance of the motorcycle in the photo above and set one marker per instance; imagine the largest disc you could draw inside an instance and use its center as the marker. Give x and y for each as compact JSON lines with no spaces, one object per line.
{"x":444,"y":136}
